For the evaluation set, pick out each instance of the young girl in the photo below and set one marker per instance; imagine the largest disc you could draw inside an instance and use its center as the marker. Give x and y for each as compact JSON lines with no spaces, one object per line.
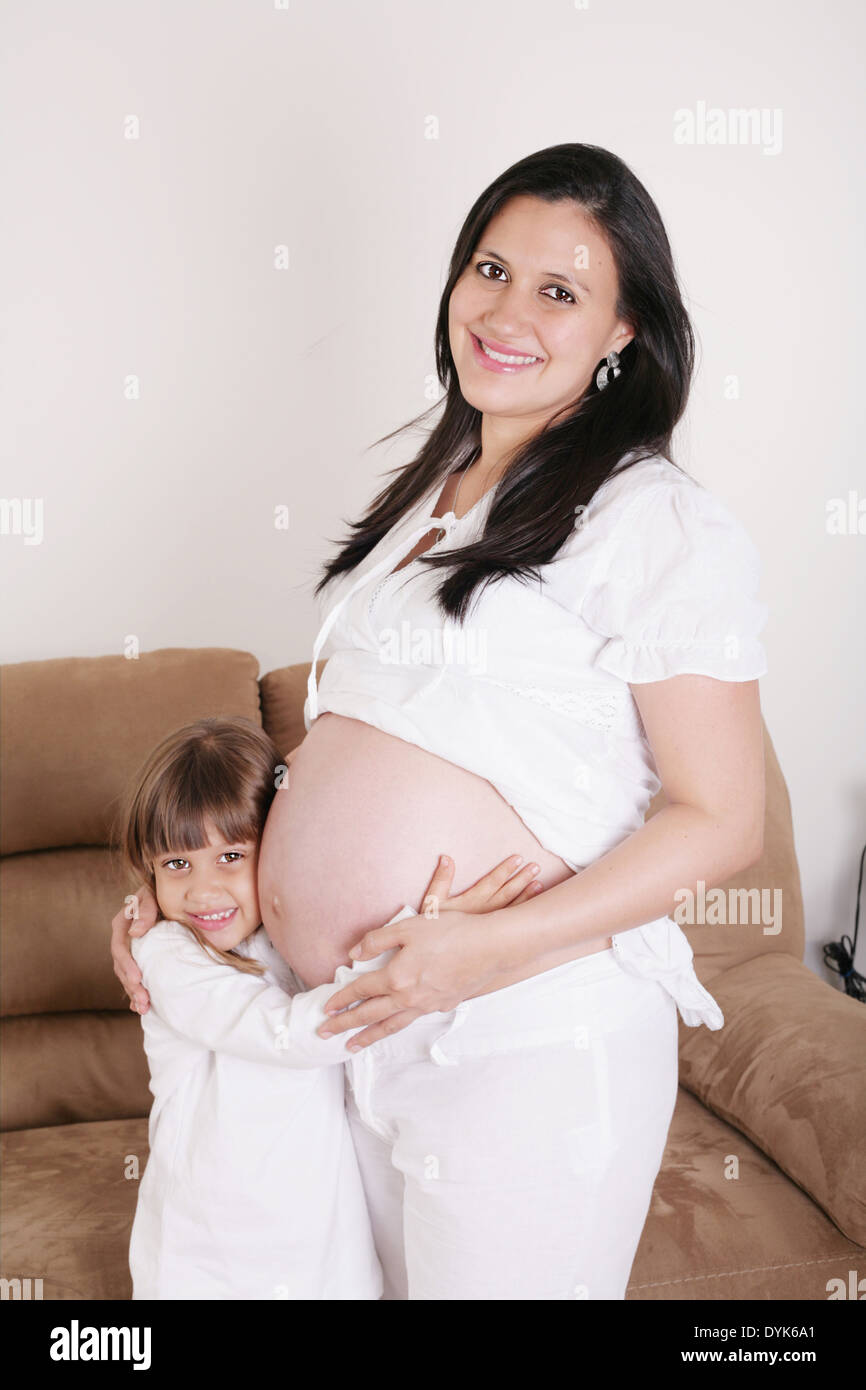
{"x":252,"y":1188}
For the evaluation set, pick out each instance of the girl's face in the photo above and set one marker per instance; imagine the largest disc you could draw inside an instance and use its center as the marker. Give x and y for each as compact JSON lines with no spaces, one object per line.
{"x":542,"y":284}
{"x":213,"y":889}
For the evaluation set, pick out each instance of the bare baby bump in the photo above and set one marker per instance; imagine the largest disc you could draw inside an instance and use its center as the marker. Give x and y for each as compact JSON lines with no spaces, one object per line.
{"x":357,"y":833}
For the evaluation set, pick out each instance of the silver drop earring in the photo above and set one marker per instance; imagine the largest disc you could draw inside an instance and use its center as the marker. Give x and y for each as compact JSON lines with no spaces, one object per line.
{"x":611,"y":364}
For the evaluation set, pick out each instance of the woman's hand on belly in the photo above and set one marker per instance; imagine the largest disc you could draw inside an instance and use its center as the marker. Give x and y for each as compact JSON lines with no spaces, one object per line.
{"x":444,"y":955}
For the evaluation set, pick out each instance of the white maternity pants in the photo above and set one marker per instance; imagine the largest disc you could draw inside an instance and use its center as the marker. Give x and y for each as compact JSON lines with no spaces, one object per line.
{"x":508,"y":1149}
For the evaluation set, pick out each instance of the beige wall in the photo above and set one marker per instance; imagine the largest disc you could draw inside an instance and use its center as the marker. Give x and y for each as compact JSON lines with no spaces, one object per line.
{"x":307,"y":125}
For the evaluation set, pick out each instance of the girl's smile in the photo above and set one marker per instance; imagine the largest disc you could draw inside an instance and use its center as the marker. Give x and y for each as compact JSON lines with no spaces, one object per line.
{"x":213,"y":921}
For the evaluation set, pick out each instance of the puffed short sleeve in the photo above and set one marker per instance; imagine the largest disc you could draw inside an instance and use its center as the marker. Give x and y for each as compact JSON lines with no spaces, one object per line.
{"x":675,"y":590}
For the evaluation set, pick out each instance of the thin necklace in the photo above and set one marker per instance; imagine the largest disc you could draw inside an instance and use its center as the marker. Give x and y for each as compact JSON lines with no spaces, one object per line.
{"x":453,"y":507}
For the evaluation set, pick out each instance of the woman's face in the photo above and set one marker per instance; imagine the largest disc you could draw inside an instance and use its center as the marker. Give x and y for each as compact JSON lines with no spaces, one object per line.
{"x":542,"y":284}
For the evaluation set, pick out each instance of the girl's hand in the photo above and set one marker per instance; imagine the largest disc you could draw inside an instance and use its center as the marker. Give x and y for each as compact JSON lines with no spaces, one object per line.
{"x":443,"y":959}
{"x":139,"y":913}
{"x":501,"y":887}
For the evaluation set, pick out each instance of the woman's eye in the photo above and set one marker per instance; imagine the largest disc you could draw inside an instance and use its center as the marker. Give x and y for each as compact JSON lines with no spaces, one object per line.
{"x":483,"y":266}
{"x":562,"y":290}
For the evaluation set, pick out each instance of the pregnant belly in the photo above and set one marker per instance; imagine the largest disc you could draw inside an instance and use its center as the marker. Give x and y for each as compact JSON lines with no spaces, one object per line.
{"x":358,"y":831}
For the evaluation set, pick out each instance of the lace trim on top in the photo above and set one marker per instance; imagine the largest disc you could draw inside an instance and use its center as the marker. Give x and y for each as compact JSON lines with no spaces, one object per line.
{"x":595,"y":709}
{"x":371,"y":602}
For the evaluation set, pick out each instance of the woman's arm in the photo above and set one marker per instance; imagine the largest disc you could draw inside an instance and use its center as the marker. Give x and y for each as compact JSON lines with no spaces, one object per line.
{"x":707,"y":740}
{"x":139,"y":913}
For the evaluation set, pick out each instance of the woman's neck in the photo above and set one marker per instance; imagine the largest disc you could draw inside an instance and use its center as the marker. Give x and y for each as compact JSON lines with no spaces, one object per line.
{"x":477,"y":480}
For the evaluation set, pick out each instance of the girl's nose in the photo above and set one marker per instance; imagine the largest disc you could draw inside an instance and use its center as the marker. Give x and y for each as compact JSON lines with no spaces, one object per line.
{"x":203,"y":892}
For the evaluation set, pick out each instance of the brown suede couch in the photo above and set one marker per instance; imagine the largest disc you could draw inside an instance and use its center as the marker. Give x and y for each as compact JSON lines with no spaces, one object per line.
{"x":762,"y":1192}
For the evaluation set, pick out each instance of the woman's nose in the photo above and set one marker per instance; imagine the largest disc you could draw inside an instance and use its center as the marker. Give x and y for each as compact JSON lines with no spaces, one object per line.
{"x":513,"y":317}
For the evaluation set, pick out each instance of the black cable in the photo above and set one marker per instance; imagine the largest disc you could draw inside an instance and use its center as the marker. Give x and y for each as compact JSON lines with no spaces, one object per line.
{"x":839,"y":955}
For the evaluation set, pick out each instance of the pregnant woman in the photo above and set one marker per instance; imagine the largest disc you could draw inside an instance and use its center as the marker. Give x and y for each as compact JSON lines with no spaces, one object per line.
{"x":537,"y":624}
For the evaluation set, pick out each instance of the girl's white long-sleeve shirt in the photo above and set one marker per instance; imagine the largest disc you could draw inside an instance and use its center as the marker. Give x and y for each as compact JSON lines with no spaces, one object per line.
{"x":252,"y":1188}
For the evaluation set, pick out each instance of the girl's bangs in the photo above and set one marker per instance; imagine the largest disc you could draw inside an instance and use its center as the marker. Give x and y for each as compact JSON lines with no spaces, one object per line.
{"x":182,"y":827}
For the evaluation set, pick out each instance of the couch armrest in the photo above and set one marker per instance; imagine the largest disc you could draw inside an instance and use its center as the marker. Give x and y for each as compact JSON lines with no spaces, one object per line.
{"x":788,"y":1069}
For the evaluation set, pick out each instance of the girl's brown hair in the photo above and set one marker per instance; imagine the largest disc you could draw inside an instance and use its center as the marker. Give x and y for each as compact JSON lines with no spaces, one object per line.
{"x":222,"y":770}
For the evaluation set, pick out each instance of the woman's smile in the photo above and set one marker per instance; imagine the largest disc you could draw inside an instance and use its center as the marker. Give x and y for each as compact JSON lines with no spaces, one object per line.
{"x":495,"y":357}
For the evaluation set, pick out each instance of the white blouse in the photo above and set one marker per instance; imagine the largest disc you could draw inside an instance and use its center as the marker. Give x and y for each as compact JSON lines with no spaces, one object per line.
{"x":657,"y":579}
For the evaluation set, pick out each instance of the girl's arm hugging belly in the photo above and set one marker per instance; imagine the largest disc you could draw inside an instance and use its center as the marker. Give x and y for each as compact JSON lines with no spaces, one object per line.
{"x":357,"y":831}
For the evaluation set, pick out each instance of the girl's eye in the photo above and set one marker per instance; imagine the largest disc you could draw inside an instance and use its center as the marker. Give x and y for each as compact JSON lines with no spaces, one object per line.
{"x":232,"y":855}
{"x":560,"y":289}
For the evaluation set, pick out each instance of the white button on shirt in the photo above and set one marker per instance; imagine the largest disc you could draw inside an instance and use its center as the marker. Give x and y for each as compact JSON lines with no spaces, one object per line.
{"x":532,"y":692}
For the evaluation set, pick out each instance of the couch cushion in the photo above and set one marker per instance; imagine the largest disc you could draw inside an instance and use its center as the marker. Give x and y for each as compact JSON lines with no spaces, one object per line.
{"x":283,"y":693}
{"x":67,"y":1211}
{"x":68,"y":1204}
{"x":713,"y":1236}
{"x":787,"y":1069}
{"x":54,"y":947}
{"x":56,"y":1069}
{"x":82,"y":726}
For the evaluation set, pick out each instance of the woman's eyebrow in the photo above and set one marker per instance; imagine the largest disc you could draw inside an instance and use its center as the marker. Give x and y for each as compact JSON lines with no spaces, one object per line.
{"x":557,"y":274}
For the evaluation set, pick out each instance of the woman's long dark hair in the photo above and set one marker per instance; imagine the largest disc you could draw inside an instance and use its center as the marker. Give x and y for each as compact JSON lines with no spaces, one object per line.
{"x":534,"y":505}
